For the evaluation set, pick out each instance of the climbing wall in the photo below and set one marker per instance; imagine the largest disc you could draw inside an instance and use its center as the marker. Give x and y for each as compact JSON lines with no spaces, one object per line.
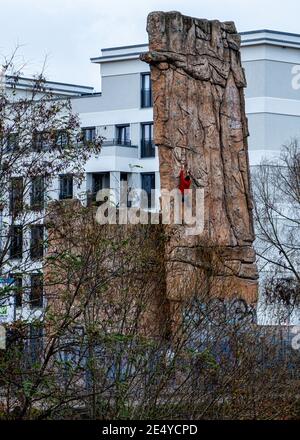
{"x":199,"y":120}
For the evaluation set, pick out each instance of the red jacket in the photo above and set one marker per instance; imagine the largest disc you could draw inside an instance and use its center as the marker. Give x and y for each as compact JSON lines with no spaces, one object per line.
{"x":184,"y":182}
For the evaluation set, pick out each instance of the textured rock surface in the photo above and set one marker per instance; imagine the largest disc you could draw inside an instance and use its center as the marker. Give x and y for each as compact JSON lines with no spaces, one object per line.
{"x":199,"y":120}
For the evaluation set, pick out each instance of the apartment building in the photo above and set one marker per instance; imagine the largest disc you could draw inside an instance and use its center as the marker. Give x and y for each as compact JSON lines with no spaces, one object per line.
{"x":26,"y":250}
{"x":122,"y":113}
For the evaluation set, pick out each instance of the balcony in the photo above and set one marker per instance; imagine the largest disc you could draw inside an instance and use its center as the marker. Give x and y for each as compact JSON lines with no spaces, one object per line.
{"x":118,"y":142}
{"x":147,"y":148}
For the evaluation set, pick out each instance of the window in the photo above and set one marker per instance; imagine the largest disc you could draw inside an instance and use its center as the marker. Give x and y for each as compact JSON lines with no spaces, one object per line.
{"x":148,"y":184}
{"x":36,"y":343}
{"x":62,"y":139}
{"x":41,"y":141}
{"x":12,"y":141}
{"x":37,"y":242}
{"x":17,"y":288}
{"x":88,"y":134}
{"x":16,"y":242}
{"x":99,"y":181}
{"x":124,"y":197}
{"x":37,"y":193}
{"x":66,"y":187}
{"x":146,"y":91}
{"x":16,"y":195}
{"x":36,"y":291}
{"x":124,"y":177}
{"x":147,"y":144}
{"x":123,"y":134}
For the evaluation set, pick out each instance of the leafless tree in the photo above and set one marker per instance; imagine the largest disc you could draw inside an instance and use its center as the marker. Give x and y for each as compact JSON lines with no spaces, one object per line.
{"x":276,"y":186}
{"x":40,"y":139}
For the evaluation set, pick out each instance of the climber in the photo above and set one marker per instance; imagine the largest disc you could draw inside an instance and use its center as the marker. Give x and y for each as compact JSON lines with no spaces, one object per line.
{"x":184,"y":181}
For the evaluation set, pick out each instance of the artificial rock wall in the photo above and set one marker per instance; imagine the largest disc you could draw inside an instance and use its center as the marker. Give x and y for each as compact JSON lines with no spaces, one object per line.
{"x":199,"y":120}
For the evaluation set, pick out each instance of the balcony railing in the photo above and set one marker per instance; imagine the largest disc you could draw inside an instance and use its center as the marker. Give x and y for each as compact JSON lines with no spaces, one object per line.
{"x":146,"y":98}
{"x":147,"y":148}
{"x":117,"y":142}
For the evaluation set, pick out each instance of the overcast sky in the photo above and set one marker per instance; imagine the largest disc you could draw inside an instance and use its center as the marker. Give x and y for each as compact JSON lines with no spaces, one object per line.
{"x":69,"y":32}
